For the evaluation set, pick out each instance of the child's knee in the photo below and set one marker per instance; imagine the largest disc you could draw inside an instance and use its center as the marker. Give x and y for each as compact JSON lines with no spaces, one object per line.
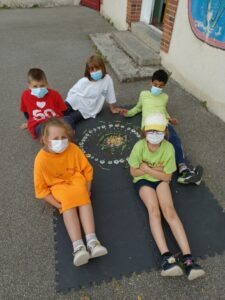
{"x":154,"y":212}
{"x":169,"y":213}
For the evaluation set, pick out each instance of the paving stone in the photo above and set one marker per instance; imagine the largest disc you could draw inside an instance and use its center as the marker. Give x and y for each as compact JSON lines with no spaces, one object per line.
{"x":124,"y":67}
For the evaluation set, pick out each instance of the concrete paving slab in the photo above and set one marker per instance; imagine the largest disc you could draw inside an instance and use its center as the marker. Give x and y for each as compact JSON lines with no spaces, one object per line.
{"x":122,"y":64}
{"x":135,"y":48}
{"x":151,"y":37}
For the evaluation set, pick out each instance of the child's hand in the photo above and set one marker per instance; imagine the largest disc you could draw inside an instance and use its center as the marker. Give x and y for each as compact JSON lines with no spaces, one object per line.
{"x":123,"y":112}
{"x":59,"y":206}
{"x":115,"y":110}
{"x":24,"y":126}
{"x":144,"y":167}
{"x":173,"y":121}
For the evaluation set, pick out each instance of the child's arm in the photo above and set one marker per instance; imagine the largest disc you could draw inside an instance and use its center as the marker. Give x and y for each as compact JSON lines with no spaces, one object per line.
{"x":116,"y":110}
{"x":25,"y":125}
{"x":51,"y":200}
{"x":135,"y":110}
{"x":155,"y":173}
{"x":89,"y":186}
{"x":135,"y":172}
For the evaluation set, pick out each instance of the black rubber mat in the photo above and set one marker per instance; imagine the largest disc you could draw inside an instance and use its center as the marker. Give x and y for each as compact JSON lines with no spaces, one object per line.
{"x":121,"y":219}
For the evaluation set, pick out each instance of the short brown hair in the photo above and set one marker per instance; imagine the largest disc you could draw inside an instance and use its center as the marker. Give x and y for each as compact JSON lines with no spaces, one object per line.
{"x":97,"y":62}
{"x":57,"y":122}
{"x":37,"y":75}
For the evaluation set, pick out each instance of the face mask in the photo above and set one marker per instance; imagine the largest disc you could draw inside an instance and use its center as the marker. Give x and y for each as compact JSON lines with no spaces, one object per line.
{"x":58,"y":146}
{"x":39,"y":92}
{"x":96,"y":75}
{"x":155,"y":138}
{"x":155,"y":91}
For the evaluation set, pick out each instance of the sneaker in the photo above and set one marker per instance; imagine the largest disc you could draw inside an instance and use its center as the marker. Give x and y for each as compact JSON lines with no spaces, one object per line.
{"x":170,"y":267}
{"x":191,"y":176}
{"x":96,"y":249}
{"x":81,"y":256}
{"x":192,"y":269}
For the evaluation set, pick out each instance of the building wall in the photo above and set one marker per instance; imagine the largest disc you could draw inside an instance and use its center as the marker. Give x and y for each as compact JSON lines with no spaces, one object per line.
{"x":116,"y":12}
{"x":41,"y":3}
{"x":198,"y":67}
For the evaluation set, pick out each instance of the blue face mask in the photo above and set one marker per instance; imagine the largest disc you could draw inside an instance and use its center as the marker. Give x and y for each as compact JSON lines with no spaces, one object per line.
{"x":155,"y":91}
{"x":96,"y":75}
{"x":39,"y":92}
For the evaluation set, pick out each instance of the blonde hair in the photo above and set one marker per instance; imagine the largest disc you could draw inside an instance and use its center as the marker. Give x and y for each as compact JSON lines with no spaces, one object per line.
{"x":97,"y":62}
{"x":55,"y":122}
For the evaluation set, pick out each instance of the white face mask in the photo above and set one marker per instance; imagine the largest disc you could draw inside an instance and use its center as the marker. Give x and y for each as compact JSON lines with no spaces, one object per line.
{"x":58,"y":146}
{"x":155,"y":138}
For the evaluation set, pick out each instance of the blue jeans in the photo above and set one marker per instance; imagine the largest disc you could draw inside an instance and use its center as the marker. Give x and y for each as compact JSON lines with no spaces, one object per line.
{"x":176,"y":142}
{"x":67,"y":119}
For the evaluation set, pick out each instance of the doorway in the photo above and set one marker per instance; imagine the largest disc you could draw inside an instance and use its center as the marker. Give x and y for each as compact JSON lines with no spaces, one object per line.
{"x":95,"y":4}
{"x":153,"y":11}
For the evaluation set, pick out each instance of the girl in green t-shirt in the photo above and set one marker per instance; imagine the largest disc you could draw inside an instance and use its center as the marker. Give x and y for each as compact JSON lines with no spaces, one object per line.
{"x":152,"y":163}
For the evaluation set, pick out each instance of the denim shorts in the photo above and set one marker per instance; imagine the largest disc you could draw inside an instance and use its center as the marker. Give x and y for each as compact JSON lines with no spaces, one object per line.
{"x":143,"y":182}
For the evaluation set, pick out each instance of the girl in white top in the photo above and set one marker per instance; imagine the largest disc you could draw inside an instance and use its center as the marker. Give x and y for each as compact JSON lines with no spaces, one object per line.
{"x":86,"y":98}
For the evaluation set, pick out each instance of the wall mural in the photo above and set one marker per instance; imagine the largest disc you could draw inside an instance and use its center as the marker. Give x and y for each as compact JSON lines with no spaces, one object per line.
{"x":207,"y":19}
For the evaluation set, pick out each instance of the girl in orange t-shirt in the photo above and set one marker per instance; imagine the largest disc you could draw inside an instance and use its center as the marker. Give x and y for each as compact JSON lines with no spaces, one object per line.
{"x":62,"y":177}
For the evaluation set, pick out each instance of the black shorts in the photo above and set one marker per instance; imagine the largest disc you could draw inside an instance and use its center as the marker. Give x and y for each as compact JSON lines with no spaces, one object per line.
{"x":74,"y":114}
{"x":144,"y":182}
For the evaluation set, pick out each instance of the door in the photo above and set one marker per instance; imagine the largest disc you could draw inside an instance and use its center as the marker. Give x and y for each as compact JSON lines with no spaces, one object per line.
{"x":147,"y":11}
{"x":95,"y":4}
{"x":158,"y":13}
{"x":152,"y":12}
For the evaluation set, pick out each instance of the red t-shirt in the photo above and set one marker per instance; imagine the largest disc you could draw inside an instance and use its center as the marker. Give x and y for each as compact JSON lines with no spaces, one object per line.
{"x":41,"y":109}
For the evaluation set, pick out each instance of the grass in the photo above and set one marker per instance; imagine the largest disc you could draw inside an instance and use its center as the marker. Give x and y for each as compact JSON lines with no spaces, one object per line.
{"x":4,"y":6}
{"x":204,"y":104}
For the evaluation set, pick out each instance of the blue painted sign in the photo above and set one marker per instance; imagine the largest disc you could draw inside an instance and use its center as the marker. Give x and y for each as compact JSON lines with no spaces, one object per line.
{"x":207,"y":19}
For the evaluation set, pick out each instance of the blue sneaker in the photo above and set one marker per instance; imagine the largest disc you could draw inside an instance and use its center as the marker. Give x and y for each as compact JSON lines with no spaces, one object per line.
{"x":191,"y":176}
{"x":192,"y":269}
{"x":170,"y":267}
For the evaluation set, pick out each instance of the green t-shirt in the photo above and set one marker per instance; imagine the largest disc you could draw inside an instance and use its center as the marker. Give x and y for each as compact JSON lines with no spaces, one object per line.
{"x":164,"y":157}
{"x":149,"y":104}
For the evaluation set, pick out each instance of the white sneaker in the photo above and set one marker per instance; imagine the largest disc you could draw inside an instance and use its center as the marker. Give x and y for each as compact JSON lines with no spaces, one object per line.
{"x":81,"y":256}
{"x":96,"y":249}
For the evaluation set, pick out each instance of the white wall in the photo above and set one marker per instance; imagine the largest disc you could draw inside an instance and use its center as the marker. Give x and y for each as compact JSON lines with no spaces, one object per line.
{"x":41,"y":3}
{"x":198,"y":67}
{"x":116,"y":12}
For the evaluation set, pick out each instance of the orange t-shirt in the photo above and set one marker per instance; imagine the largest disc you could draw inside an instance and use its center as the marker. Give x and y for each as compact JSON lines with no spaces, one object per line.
{"x":64,"y":175}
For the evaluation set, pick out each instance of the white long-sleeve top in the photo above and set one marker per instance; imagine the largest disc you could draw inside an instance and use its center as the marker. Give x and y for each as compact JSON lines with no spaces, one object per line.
{"x":89,"y":96}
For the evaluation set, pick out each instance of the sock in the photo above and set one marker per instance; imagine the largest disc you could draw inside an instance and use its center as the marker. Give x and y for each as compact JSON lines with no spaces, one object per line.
{"x":183,"y":167}
{"x":166,"y":255}
{"x":91,"y":237}
{"x":187,"y":256}
{"x":77,"y":244}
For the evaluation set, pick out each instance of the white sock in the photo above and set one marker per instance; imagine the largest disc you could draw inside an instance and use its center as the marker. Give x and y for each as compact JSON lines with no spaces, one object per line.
{"x":77,"y":243}
{"x":91,"y":237}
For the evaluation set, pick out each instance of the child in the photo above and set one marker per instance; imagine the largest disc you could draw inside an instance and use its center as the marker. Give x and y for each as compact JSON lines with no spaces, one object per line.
{"x":62,"y":177}
{"x":154,"y":100}
{"x":152,"y":162}
{"x":86,"y":98}
{"x":39,"y":103}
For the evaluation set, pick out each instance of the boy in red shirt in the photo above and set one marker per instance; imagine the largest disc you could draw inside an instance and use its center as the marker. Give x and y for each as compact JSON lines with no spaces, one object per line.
{"x":39,"y":103}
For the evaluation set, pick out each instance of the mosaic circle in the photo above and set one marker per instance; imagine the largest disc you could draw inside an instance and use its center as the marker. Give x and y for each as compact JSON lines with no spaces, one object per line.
{"x":109,"y":144}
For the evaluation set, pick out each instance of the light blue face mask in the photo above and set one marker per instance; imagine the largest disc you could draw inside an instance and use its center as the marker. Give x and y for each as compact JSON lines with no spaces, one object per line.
{"x":96,"y":75}
{"x":155,"y":91}
{"x":39,"y":92}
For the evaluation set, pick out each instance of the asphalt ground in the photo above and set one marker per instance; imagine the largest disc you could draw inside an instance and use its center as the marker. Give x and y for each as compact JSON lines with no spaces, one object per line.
{"x":56,"y":40}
